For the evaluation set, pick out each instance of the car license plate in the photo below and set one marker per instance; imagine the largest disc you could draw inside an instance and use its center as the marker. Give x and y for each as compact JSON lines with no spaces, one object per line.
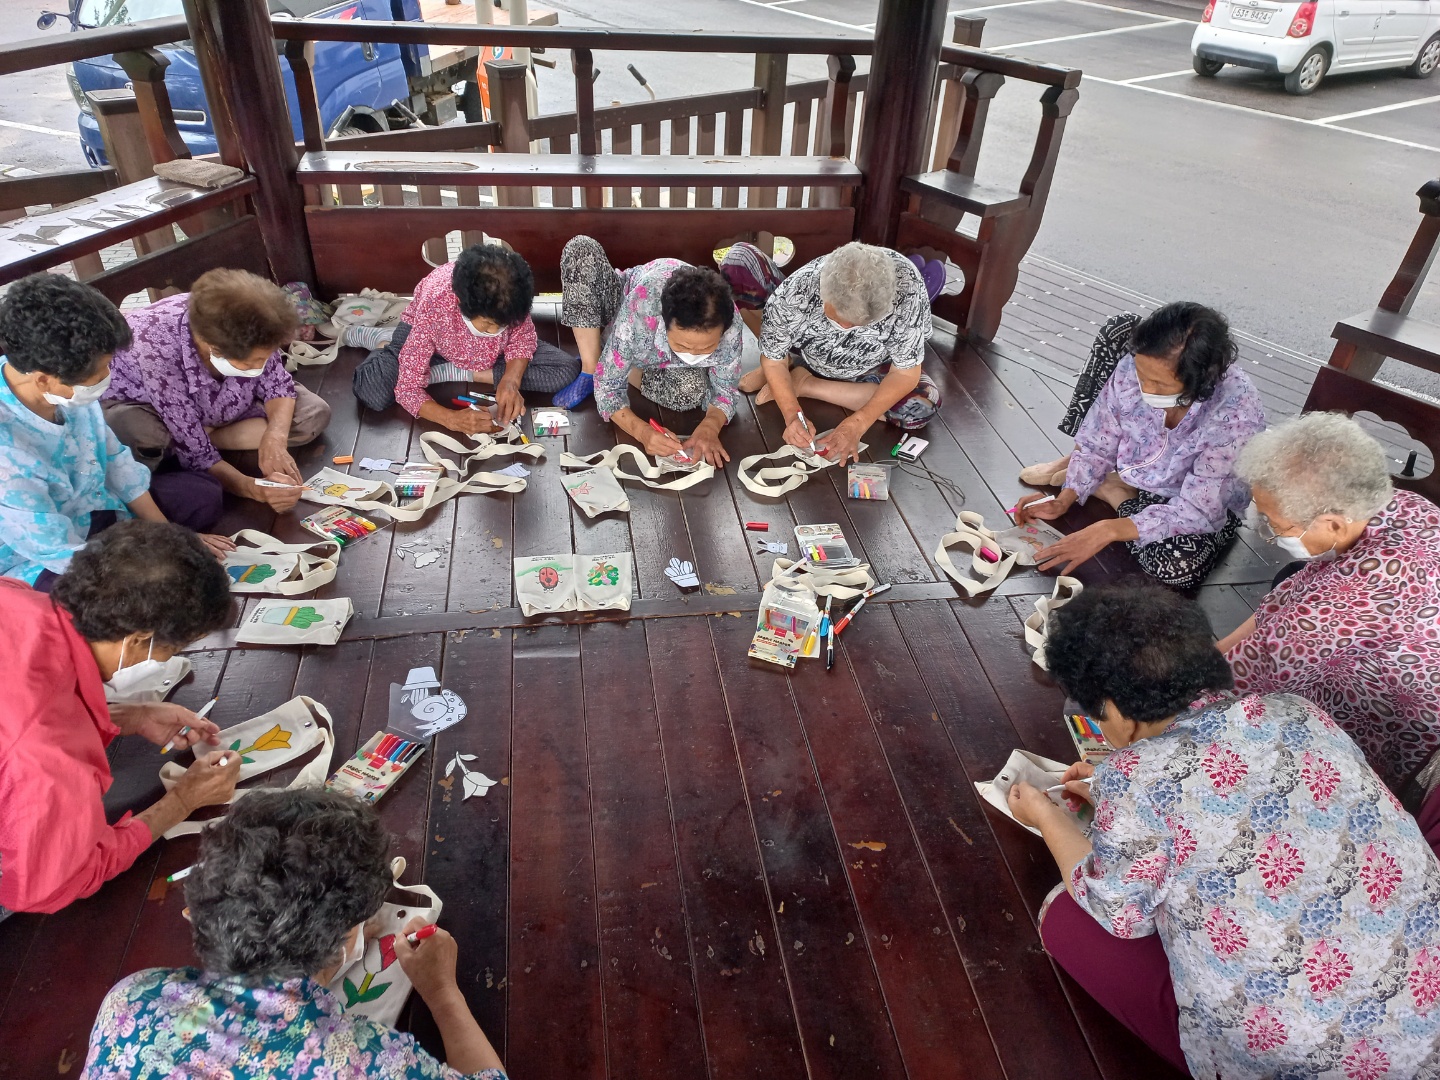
{"x":1261,"y":16}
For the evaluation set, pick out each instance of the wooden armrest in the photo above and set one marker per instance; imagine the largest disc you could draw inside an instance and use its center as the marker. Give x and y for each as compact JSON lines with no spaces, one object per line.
{"x":1401,"y":337}
{"x":107,"y":218}
{"x":964,"y":193}
{"x":573,"y":170}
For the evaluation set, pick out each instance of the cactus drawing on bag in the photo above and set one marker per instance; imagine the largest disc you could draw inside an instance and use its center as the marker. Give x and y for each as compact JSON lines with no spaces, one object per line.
{"x":302,"y":618}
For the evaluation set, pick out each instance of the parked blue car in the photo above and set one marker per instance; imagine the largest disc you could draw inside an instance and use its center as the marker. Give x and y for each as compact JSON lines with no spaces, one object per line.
{"x":361,"y":87}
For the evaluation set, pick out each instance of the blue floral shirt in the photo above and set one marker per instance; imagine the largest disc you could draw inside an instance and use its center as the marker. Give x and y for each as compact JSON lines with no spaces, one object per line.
{"x":1298,"y":904}
{"x":52,"y":476}
{"x":158,"y":1024}
{"x":637,"y":340}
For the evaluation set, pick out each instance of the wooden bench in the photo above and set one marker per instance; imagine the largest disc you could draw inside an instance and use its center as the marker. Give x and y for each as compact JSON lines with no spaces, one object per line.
{"x":405,"y":242}
{"x":1365,"y":341}
{"x":118,"y":214}
{"x":940,"y":200}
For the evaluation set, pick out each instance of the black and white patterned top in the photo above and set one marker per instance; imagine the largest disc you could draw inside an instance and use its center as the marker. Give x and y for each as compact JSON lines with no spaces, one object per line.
{"x":795,"y":319}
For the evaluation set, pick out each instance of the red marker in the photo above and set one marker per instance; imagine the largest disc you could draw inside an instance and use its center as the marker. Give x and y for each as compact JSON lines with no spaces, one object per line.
{"x":682,"y":455}
{"x":758,"y":526}
{"x":465,"y":404}
{"x":421,"y":934}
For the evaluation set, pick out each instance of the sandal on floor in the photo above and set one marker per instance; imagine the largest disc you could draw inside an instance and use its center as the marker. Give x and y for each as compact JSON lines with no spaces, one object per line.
{"x":1037,"y":626}
{"x":575,"y":393}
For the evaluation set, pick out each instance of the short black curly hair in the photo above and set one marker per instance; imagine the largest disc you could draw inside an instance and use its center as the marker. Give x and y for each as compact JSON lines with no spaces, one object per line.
{"x":697,"y":298}
{"x":1197,"y":338}
{"x":53,"y":324}
{"x":282,"y":878}
{"x":492,"y":282}
{"x":1143,"y":646}
{"x":145,"y":576}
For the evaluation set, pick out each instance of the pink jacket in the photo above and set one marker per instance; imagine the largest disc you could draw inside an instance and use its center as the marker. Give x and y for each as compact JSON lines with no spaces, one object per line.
{"x":55,"y":845}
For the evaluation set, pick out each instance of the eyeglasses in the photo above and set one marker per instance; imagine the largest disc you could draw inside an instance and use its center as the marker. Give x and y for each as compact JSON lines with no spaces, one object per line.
{"x":1269,"y":535}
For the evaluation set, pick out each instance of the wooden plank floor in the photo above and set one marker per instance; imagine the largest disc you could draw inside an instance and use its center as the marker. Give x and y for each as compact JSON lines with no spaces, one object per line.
{"x":694,"y":865}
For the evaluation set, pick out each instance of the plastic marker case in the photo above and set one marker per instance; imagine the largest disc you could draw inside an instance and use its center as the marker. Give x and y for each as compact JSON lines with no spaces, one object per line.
{"x":376,"y":766}
{"x":825,"y":545}
{"x":339,"y":524}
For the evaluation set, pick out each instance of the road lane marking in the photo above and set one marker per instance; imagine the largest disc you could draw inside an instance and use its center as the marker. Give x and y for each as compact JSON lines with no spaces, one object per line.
{"x":1261,"y":112}
{"x":39,"y":130}
{"x":804,"y":15}
{"x":1162,"y":75}
{"x":1378,"y":109}
{"x":1092,"y":34}
{"x":997,"y":7}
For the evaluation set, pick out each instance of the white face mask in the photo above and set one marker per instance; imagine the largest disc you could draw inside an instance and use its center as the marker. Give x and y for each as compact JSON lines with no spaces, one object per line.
{"x":1160,"y":401}
{"x":228,"y":369}
{"x":80,"y":395}
{"x":148,"y":681}
{"x":477,"y":332}
{"x":1294,"y":546}
{"x":692,"y":358}
{"x":842,"y":329}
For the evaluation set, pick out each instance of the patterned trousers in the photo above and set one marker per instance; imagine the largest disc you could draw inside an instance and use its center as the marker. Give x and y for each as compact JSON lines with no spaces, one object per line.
{"x":1182,"y":562}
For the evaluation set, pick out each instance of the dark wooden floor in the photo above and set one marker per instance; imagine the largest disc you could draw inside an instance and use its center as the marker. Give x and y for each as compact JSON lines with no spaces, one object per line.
{"x":694,"y":865}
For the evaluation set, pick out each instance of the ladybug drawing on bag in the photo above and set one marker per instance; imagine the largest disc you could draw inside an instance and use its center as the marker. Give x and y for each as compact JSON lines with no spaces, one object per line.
{"x":548,"y":577}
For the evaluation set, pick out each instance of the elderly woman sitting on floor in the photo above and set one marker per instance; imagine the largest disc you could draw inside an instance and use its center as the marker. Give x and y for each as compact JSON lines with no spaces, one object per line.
{"x":1355,"y":627}
{"x":281,"y":892}
{"x":856,"y":321}
{"x":1158,"y":442}
{"x":64,"y":476}
{"x":668,"y":329}
{"x":204,"y":374}
{"x":1249,"y":899}
{"x":82,"y":668}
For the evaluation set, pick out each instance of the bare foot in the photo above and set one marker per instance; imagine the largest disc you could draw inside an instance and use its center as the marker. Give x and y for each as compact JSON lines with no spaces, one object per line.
{"x":1113,"y":491}
{"x":752,"y":381}
{"x":1044,"y":475}
{"x":764,"y":395}
{"x":799,"y":379}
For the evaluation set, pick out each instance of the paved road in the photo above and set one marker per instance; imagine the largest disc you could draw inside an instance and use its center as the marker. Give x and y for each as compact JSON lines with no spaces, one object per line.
{"x":1285,"y":212}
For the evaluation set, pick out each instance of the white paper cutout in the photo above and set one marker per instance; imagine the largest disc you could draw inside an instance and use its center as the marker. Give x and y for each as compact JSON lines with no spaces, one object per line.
{"x":472,"y":781}
{"x":682,"y":574}
{"x":371,"y":464}
{"x":774,"y":547}
{"x":438,"y":712}
{"x":513,"y":470}
{"x":419,"y":684}
{"x":424,"y":559}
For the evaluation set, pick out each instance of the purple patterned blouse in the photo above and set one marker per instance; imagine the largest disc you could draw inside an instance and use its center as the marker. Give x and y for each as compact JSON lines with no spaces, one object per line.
{"x":1192,"y":464}
{"x":162,"y":368}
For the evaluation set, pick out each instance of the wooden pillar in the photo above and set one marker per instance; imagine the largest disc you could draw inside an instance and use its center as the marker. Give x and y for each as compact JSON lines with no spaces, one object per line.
{"x":146,"y":68}
{"x":767,"y":122}
{"x":226,"y":137}
{"x":248,"y":68}
{"x":510,"y":107}
{"x":897,"y":108}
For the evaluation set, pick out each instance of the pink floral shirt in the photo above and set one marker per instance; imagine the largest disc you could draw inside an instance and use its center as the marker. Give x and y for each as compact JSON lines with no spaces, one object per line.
{"x":1360,"y":637}
{"x":1298,"y":904}
{"x":436,"y":326}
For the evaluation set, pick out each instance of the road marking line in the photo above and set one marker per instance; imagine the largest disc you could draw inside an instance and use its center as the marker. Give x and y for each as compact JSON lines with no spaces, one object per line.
{"x":777,"y":3}
{"x":997,"y":7}
{"x":1262,"y":112}
{"x":40,"y":130}
{"x":1128,"y":11}
{"x":1162,"y":75}
{"x":804,"y":15}
{"x":1378,"y":109}
{"x":1007,"y":46}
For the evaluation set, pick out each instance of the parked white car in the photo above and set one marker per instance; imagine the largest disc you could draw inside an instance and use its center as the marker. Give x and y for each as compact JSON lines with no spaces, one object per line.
{"x":1305,"y":41}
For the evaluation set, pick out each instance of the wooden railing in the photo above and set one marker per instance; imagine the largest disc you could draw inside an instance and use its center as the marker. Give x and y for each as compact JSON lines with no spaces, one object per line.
{"x":773,"y":157}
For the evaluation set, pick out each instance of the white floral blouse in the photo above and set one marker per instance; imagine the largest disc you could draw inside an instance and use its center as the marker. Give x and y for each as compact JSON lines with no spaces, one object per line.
{"x":1298,"y":904}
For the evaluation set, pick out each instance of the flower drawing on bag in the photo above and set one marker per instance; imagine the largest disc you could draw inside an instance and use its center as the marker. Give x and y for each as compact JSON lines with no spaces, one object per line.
{"x":302,"y":618}
{"x":604,"y":573}
{"x":250,"y":575}
{"x":277,"y":738}
{"x":369,"y":990}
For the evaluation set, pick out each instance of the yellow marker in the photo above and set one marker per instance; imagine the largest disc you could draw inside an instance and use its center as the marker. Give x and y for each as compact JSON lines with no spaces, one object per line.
{"x":809,"y":642}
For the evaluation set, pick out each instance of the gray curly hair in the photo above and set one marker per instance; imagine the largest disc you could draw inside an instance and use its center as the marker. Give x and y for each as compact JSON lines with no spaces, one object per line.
{"x":1319,"y":463}
{"x":858,"y":281}
{"x":282,"y":879}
